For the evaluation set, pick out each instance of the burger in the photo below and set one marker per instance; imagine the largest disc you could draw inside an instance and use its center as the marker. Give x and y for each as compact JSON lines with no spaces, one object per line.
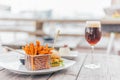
{"x":55,"y":59}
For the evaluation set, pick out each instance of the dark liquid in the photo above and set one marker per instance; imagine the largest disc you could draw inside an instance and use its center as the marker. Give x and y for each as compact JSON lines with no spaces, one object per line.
{"x":92,"y":35}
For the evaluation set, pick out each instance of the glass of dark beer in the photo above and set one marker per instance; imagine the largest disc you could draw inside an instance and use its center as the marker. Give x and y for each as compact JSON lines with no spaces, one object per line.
{"x":92,"y":36}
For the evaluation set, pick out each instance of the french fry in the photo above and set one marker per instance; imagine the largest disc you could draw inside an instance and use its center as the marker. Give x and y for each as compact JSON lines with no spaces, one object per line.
{"x":46,"y":46}
{"x":27,"y":49}
{"x":32,"y":49}
{"x":37,"y":49}
{"x":37,"y":43}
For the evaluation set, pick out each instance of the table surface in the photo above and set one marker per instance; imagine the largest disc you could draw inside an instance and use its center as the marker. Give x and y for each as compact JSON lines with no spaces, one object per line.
{"x":109,"y":70}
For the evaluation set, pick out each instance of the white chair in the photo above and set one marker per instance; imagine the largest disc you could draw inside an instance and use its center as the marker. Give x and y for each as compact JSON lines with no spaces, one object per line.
{"x":110,"y":43}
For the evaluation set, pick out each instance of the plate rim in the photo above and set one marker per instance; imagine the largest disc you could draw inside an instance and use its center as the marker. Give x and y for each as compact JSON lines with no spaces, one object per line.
{"x":45,"y":71}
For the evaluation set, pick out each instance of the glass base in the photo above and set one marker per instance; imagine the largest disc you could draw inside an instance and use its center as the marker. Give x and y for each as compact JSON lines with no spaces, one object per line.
{"x":92,"y":66}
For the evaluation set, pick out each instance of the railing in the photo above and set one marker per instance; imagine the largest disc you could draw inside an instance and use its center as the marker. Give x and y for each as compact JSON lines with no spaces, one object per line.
{"x":39,"y":23}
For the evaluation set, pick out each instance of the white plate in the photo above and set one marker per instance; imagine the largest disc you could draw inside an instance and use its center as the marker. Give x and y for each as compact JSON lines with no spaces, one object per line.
{"x":71,"y":55}
{"x":10,"y":61}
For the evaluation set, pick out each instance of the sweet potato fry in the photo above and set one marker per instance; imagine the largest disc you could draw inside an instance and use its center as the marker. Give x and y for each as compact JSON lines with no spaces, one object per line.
{"x":37,"y":49}
{"x":37,"y":43}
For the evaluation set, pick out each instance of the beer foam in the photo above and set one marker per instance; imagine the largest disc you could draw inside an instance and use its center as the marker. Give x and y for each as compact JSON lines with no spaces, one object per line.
{"x":93,"y":24}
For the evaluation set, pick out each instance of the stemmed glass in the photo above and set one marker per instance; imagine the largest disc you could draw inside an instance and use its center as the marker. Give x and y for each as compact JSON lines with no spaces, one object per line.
{"x":92,"y":35}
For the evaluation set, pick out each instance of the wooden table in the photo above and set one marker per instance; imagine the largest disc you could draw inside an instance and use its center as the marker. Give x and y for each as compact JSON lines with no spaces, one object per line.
{"x":110,"y":70}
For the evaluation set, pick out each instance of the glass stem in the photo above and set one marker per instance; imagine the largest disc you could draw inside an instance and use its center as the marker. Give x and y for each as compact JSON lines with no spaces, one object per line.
{"x":92,"y":53}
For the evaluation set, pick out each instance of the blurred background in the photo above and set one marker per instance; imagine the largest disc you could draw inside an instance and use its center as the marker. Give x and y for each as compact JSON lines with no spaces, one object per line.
{"x":23,"y":21}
